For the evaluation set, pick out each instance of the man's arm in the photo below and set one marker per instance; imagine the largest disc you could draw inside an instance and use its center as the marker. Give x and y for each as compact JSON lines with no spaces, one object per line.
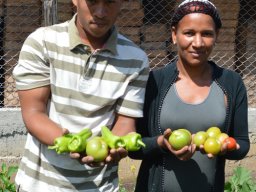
{"x":34,"y":112}
{"x":124,"y":125}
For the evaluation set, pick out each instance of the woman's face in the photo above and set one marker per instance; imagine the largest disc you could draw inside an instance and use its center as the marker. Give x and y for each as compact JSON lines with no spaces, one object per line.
{"x":195,"y":36}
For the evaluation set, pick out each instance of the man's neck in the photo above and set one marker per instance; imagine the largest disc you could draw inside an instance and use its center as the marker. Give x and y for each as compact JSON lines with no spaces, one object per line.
{"x":92,"y":41}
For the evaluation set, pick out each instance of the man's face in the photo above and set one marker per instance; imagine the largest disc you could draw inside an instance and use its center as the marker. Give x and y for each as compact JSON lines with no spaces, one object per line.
{"x":96,"y":17}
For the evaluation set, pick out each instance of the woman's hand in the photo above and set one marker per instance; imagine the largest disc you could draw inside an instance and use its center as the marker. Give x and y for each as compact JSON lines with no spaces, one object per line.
{"x":224,"y":150}
{"x":183,"y":154}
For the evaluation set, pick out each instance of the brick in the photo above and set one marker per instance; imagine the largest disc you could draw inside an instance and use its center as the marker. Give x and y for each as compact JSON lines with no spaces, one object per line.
{"x":65,"y":7}
{"x":20,"y":29}
{"x":157,"y":53}
{"x":65,"y":1}
{"x":30,"y":11}
{"x":12,"y":45}
{"x":153,"y":45}
{"x":224,"y":46}
{"x":132,"y":33}
{"x":1,"y":11}
{"x":16,"y":36}
{"x":23,"y":2}
{"x":229,"y":23}
{"x":158,"y":62}
{"x":21,"y":20}
{"x":156,"y":32}
{"x":10,"y":94}
{"x":64,"y":16}
{"x":131,"y":5}
{"x":130,"y":18}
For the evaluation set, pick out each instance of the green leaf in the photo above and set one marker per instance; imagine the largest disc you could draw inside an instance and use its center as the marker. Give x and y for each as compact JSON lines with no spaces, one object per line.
{"x":245,"y":187}
{"x":11,"y":171}
{"x":4,"y":168}
{"x":241,"y":181}
{"x":227,"y":187}
{"x":242,"y":175}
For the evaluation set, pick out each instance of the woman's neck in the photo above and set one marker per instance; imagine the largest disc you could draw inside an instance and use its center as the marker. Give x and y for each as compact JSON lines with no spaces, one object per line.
{"x":198,"y":74}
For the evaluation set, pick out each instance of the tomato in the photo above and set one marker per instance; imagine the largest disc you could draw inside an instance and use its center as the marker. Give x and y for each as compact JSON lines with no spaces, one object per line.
{"x":231,"y":143}
{"x":212,"y":146}
{"x":221,"y":137}
{"x":199,"y":138}
{"x":213,"y":131}
{"x":97,"y":148}
{"x":180,"y":138}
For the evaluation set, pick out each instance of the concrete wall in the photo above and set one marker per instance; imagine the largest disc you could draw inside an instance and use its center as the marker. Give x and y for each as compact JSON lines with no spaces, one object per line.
{"x":13,"y":136}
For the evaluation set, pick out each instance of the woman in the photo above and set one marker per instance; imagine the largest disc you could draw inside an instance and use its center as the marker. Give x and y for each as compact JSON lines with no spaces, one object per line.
{"x":192,"y":93}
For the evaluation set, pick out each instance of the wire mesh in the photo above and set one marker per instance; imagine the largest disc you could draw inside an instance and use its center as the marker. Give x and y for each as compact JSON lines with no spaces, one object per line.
{"x":146,"y":22}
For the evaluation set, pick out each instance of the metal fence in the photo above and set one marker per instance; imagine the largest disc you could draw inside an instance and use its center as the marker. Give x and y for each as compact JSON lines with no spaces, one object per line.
{"x":146,"y":22}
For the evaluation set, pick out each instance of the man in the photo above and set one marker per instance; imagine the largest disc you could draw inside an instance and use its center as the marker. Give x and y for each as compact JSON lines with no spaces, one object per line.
{"x":77,"y":74}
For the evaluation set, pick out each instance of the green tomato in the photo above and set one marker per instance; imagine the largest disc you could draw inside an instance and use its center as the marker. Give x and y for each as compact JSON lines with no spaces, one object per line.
{"x":199,"y":138}
{"x":97,"y":148}
{"x":221,"y":137}
{"x":212,"y":146}
{"x":180,"y":138}
{"x":213,"y":131}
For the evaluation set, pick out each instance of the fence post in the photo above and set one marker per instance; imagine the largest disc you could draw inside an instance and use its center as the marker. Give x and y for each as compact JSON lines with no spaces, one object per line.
{"x":50,"y":12}
{"x":2,"y":71}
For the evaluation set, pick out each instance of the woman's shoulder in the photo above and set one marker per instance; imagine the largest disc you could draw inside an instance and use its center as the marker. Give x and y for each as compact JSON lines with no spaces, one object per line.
{"x":227,"y":77}
{"x":166,"y":69}
{"x":222,"y":72}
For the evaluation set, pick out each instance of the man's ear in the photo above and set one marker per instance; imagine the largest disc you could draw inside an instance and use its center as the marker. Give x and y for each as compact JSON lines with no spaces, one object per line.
{"x":74,"y":2}
{"x":217,"y":34}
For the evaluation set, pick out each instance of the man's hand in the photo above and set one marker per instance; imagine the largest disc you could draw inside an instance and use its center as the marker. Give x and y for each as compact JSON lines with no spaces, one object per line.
{"x":115,"y":155}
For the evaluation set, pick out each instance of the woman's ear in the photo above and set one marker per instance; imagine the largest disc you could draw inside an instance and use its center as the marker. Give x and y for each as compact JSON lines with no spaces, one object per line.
{"x":173,"y":32}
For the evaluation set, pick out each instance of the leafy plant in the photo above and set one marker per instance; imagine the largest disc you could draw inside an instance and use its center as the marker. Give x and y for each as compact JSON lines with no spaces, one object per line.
{"x":122,"y":189}
{"x":240,"y":181}
{"x":5,"y":178}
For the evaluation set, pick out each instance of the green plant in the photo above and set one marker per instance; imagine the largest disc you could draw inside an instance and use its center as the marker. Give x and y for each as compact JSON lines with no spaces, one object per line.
{"x":240,"y":181}
{"x":122,"y":189}
{"x":5,"y":178}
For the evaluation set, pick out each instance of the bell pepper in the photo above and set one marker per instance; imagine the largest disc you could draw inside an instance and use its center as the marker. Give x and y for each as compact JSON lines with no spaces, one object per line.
{"x":112,"y":140}
{"x":78,"y":142}
{"x":133,"y":141}
{"x":61,"y":143}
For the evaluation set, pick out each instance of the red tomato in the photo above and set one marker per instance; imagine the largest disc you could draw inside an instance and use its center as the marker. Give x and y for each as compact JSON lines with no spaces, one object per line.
{"x":231,"y":143}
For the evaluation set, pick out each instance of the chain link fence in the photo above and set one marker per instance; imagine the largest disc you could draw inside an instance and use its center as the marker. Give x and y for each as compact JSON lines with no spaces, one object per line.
{"x":146,"y":22}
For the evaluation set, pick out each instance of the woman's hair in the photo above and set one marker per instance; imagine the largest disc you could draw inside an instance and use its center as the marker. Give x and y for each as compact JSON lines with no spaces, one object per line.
{"x":196,"y":6}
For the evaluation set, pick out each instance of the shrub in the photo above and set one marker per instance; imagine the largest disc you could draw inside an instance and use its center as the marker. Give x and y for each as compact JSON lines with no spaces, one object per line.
{"x":6,"y":185}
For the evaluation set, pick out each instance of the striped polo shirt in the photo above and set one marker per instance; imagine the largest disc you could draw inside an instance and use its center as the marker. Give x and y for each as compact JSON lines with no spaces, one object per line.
{"x":87,"y":89}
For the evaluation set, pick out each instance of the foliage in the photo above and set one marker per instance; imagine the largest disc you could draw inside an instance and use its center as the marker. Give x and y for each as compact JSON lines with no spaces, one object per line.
{"x":5,"y":178}
{"x":240,"y":181}
{"x":122,"y":189}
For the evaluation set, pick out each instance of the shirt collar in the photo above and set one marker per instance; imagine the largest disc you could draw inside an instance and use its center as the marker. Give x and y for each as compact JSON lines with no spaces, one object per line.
{"x":75,"y":40}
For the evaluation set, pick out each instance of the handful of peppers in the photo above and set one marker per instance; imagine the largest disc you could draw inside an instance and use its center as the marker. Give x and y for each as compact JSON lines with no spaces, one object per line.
{"x":77,"y":143}
{"x":131,"y":141}
{"x":72,"y":142}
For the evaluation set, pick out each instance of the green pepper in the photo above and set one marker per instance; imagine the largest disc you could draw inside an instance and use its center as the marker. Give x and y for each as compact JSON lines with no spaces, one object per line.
{"x":133,"y":141}
{"x":78,"y":142}
{"x":61,"y":143}
{"x":112,"y":140}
